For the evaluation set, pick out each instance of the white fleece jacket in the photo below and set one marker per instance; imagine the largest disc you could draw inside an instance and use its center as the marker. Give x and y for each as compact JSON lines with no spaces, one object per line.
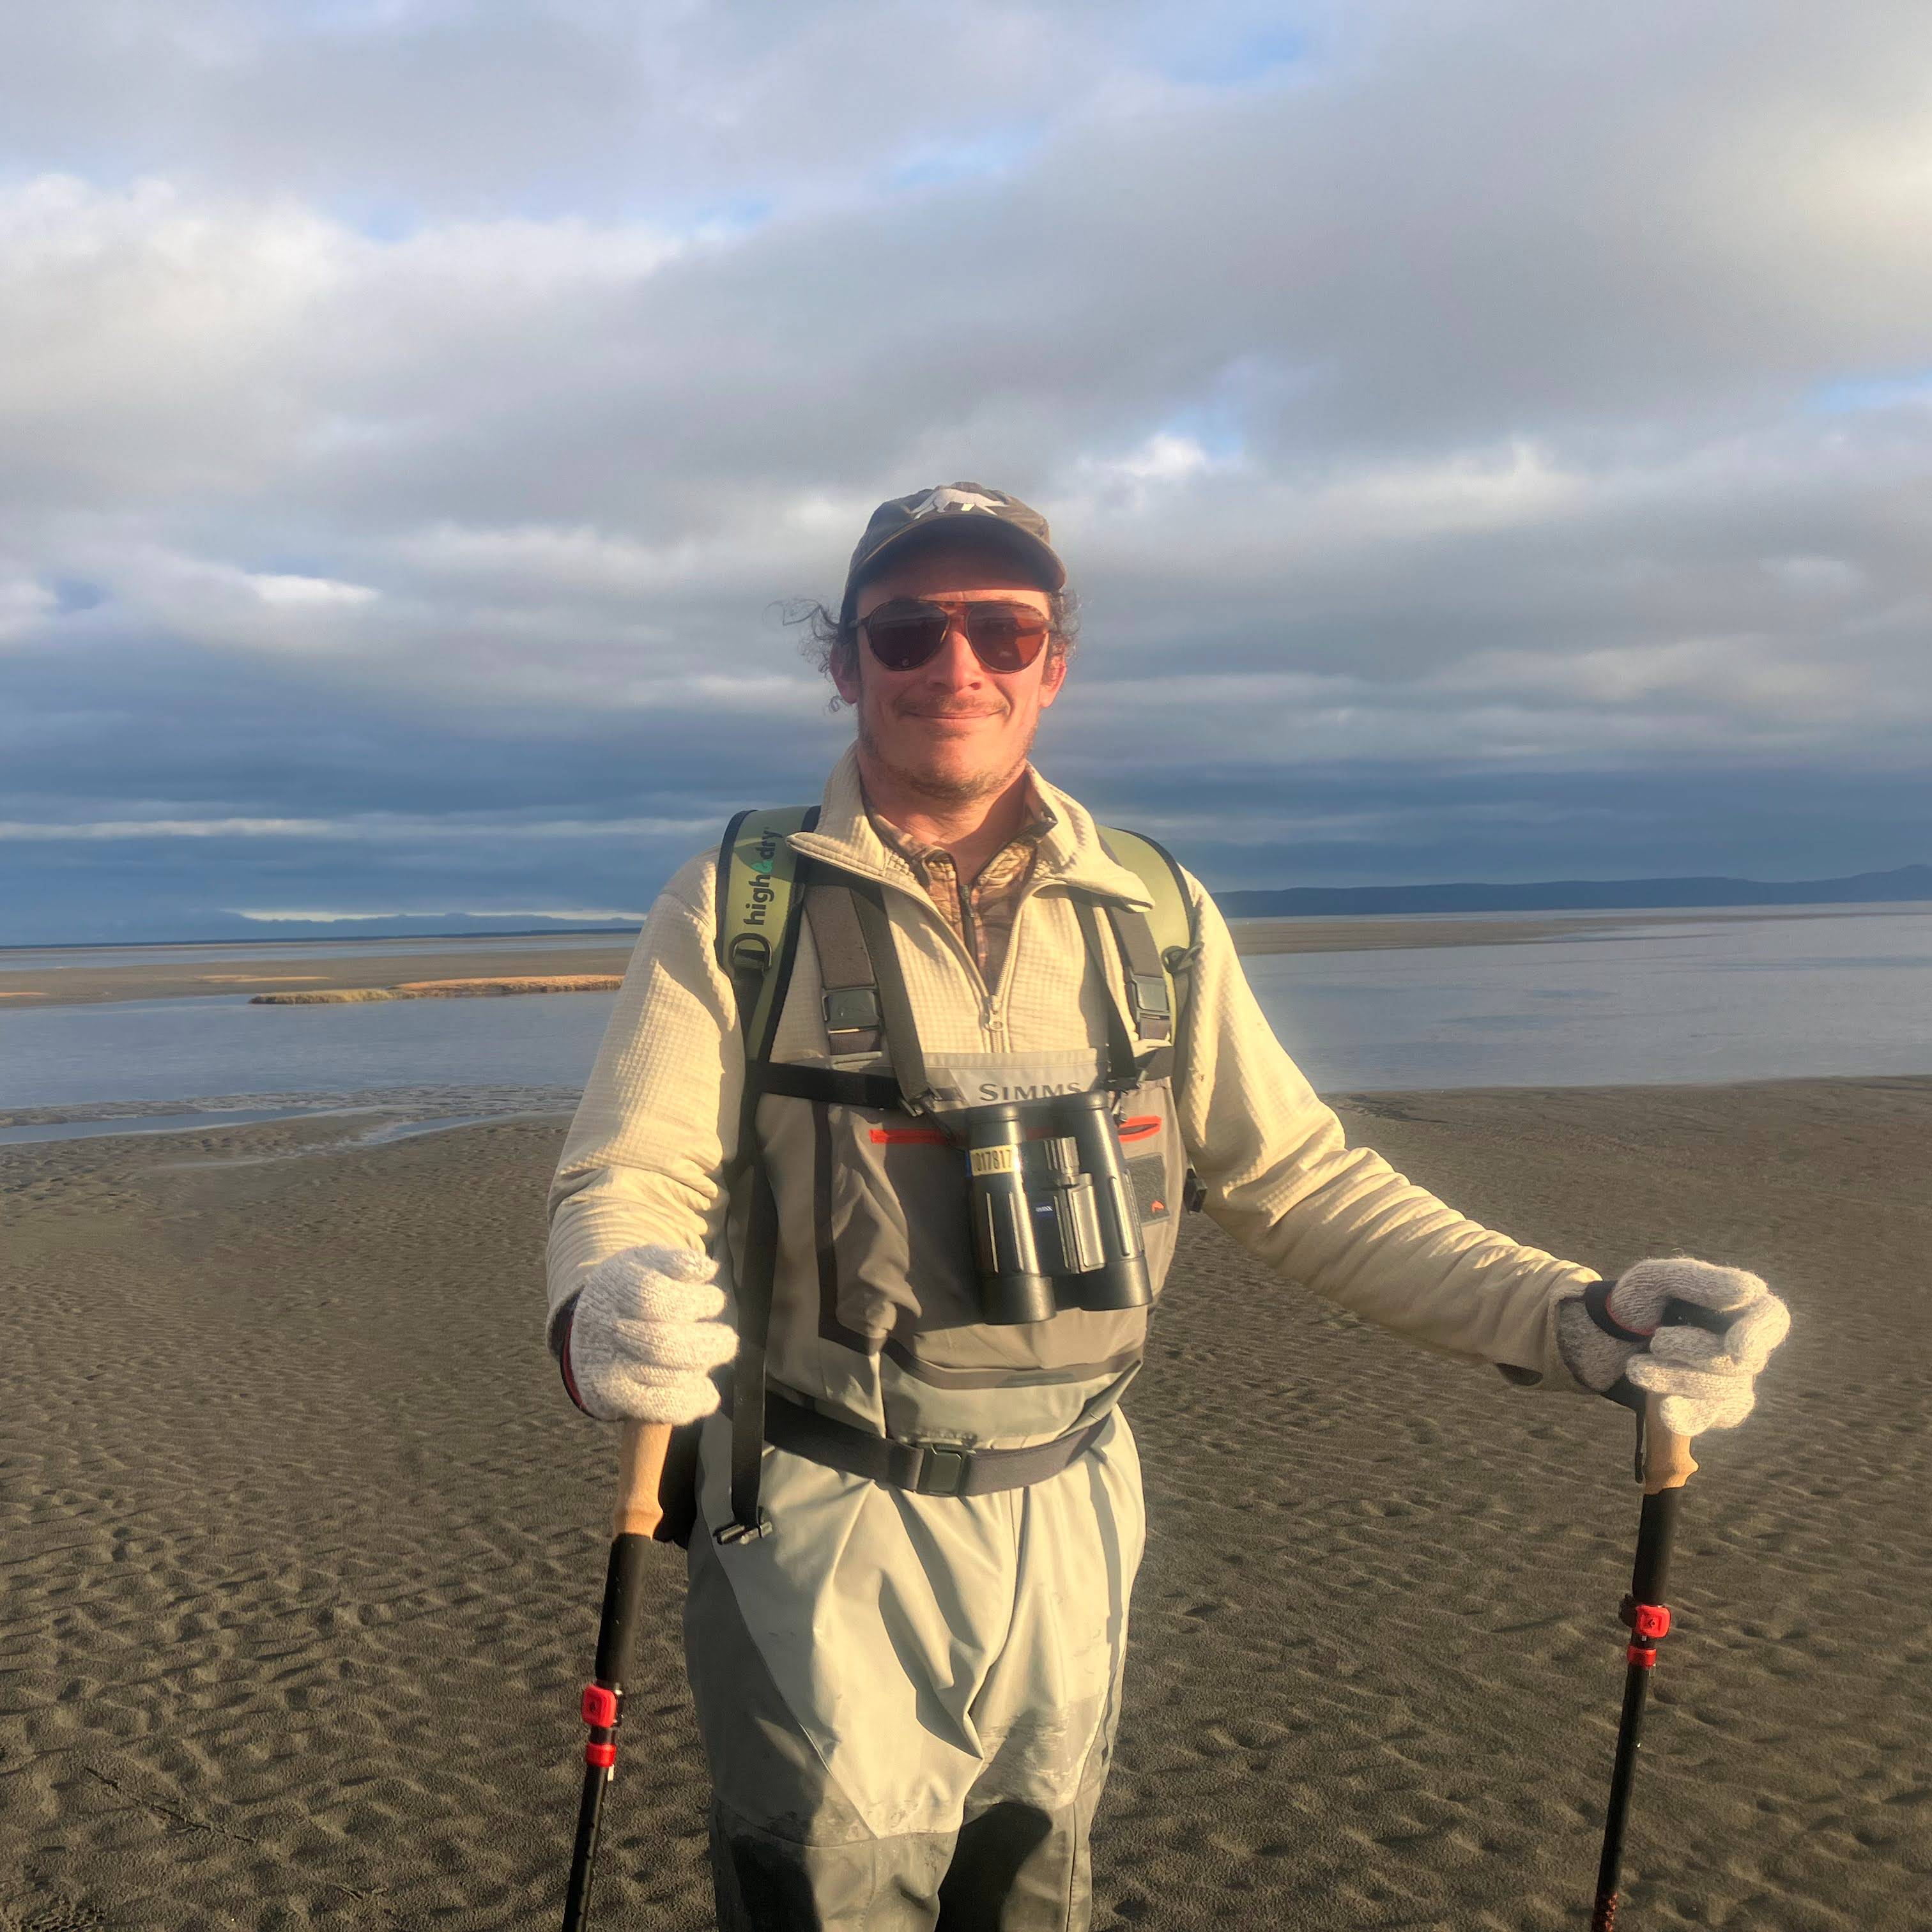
{"x":644,"y":1157}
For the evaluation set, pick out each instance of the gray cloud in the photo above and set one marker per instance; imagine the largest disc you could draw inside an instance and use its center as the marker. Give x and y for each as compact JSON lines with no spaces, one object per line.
{"x":1452,"y":414}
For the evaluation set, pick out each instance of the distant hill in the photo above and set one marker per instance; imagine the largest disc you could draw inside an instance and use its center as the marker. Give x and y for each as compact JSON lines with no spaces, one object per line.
{"x":1907,"y":882}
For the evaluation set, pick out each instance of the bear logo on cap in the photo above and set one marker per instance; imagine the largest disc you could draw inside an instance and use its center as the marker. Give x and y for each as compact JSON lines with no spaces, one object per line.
{"x":947,"y":498}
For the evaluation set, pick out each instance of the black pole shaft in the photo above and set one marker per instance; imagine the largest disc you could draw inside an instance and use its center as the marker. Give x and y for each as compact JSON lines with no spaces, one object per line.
{"x":1610,"y":1867}
{"x":584,"y":1853}
{"x":616,"y":1640}
{"x":1648,"y":1577}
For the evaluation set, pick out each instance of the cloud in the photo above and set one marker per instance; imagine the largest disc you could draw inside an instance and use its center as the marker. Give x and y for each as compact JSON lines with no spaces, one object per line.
{"x":414,"y":416}
{"x":25,"y":604}
{"x":169,"y":828}
{"x":388,"y":828}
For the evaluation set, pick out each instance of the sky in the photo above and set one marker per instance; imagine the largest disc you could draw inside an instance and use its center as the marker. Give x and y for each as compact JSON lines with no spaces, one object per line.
{"x":1488,"y":440}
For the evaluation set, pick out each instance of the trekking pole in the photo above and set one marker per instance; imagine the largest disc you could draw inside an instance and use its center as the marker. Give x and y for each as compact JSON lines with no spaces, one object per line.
{"x":641,"y":1465}
{"x":1663,"y":1466}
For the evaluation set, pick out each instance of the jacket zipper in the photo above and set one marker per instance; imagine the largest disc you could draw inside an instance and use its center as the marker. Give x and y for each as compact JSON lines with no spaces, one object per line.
{"x":923,"y":900}
{"x":996,"y":999}
{"x":991,"y":1001}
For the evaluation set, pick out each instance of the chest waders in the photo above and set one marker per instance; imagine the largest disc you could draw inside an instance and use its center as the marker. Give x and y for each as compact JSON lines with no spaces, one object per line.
{"x":929,"y":1212}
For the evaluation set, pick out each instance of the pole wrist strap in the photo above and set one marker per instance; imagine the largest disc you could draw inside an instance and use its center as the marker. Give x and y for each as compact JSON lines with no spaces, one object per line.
{"x":1596,"y":1305}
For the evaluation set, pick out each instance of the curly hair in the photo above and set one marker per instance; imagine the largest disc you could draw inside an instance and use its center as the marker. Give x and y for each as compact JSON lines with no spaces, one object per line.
{"x":826,"y":642}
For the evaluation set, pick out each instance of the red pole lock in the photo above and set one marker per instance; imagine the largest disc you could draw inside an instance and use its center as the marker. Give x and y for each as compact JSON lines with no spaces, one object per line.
{"x":1647,"y":1620}
{"x":1651,"y":1621}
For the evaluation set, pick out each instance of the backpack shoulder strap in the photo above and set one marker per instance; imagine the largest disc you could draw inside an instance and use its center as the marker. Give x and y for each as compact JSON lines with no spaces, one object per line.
{"x":758,"y":877}
{"x":758,"y":908}
{"x":1172,"y":917}
{"x":1177,"y":932}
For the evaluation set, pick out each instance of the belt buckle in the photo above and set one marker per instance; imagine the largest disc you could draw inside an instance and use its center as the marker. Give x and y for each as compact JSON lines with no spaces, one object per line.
{"x":938,"y":1462}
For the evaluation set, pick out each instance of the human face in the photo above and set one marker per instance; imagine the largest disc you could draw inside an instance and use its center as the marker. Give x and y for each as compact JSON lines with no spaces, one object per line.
{"x":950,"y":729}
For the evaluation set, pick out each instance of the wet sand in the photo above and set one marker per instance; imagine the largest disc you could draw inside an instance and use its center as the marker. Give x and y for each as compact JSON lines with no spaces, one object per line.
{"x":449,"y":989}
{"x":86,"y":983}
{"x":303,"y":1545}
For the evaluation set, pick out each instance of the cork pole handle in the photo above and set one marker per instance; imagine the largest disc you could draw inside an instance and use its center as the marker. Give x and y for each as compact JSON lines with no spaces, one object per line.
{"x":640,"y":1471}
{"x":1666,"y":1456}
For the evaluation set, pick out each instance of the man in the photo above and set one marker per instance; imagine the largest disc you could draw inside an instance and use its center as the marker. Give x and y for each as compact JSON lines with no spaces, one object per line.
{"x":907,"y":1604}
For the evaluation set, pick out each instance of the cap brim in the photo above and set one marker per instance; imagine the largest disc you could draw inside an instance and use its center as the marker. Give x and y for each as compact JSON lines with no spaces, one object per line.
{"x":1039,"y":557}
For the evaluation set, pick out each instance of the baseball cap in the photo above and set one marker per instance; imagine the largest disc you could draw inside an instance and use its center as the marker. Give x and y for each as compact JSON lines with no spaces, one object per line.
{"x":955,"y":509}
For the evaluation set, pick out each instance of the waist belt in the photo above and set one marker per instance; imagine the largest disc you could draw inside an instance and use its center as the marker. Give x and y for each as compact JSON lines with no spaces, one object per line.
{"x":927,"y":1469}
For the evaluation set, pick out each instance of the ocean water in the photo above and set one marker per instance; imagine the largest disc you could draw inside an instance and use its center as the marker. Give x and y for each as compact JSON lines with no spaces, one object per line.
{"x":1756,"y":999}
{"x":1726,"y":1000}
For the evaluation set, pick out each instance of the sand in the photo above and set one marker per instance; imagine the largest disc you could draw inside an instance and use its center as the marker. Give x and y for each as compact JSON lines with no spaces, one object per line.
{"x":448,"y":989}
{"x":303,"y":1545}
{"x":88,"y":980}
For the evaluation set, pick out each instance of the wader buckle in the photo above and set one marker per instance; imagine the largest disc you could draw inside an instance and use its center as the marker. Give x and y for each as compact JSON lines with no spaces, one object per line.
{"x":851,"y":1009}
{"x":735,"y":1532}
{"x":942,"y":1471}
{"x":1148,"y":993}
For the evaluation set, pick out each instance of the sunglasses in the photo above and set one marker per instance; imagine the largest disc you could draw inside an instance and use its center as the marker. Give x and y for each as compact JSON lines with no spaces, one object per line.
{"x":907,"y":634}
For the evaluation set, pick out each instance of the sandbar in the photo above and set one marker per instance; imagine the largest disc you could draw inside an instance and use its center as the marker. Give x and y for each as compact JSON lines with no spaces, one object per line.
{"x":92,"y":978}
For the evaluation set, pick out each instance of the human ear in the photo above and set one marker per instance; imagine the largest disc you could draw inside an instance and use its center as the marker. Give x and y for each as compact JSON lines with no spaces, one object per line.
{"x":844,"y":668}
{"x":1053,"y":675}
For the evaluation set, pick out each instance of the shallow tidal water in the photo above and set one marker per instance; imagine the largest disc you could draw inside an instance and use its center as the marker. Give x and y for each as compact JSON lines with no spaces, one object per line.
{"x":1732,"y":1000}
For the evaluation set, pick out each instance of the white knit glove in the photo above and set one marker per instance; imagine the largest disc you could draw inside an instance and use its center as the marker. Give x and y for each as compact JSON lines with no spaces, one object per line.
{"x":1706,"y":1380}
{"x":644,"y":1336}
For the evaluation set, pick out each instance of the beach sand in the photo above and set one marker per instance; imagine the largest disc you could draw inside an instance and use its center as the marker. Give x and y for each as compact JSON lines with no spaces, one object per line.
{"x":303,"y":1546}
{"x":496,"y":987}
{"x":91,"y":979}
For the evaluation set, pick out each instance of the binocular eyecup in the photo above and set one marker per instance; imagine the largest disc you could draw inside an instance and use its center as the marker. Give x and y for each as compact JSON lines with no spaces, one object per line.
{"x":1054,"y":1223}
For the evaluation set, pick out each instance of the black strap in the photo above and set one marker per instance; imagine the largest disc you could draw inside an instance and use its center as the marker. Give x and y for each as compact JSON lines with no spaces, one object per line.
{"x":851,"y":1001}
{"x":1676,"y":1314}
{"x":1180,"y":962}
{"x":1623,"y":1390}
{"x":1147,"y":982}
{"x":928,"y":1469}
{"x":825,"y":1084}
{"x":1149,"y":998}
{"x":1596,"y":1305}
{"x":748,"y":1371}
{"x":895,"y":1003}
{"x":1125,"y":1070}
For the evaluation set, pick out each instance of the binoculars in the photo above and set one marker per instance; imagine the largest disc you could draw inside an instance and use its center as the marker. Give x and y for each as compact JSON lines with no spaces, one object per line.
{"x":1054,"y":1223}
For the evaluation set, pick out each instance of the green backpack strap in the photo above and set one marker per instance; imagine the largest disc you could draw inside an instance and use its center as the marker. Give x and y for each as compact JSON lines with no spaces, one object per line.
{"x":758,"y":906}
{"x":757,"y":876}
{"x":1172,"y":916}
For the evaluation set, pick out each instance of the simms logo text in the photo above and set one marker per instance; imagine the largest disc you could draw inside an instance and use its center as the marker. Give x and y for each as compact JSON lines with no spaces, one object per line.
{"x":996,"y":1090}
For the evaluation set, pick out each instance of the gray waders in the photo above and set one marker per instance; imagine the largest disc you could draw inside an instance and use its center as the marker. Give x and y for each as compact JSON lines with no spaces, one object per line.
{"x":916,"y":1532}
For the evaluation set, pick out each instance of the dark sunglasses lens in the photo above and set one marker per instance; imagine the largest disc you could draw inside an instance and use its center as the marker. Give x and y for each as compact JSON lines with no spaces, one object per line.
{"x":904,"y":643}
{"x":1004,"y":637}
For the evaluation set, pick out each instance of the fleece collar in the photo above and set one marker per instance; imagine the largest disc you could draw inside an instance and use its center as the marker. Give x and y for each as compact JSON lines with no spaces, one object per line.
{"x":1070,"y":851}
